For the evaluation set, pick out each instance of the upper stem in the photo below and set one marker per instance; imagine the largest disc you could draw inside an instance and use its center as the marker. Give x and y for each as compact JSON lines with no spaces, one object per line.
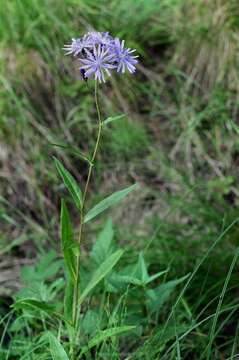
{"x":96,"y":144}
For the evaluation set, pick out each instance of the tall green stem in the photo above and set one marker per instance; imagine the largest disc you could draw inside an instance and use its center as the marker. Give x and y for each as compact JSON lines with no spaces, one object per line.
{"x":75,"y":310}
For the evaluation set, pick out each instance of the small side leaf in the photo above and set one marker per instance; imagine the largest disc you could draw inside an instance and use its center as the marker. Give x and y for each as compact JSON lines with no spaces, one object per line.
{"x":56,"y":349}
{"x":104,"y":335}
{"x":70,"y":183}
{"x":67,"y":241}
{"x":101,"y":272}
{"x":109,"y":201}
{"x":113,"y":118}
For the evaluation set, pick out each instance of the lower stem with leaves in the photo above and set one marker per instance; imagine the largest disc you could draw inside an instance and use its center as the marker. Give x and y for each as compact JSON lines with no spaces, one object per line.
{"x":75,"y":309}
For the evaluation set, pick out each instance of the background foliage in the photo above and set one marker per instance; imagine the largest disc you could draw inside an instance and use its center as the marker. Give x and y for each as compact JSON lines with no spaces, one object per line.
{"x":178,"y":140}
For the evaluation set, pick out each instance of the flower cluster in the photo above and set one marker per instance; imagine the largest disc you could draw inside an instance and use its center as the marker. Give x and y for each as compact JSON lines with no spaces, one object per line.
{"x":99,"y":53}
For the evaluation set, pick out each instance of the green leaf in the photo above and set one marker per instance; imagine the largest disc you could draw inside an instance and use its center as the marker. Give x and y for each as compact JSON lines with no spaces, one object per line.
{"x":143,"y":268}
{"x":72,"y":150}
{"x":141,"y":272}
{"x":101,"y":272}
{"x":104,"y":335}
{"x":8,"y":246}
{"x":159,"y":295}
{"x":46,"y":268}
{"x":103,"y":245}
{"x":117,"y":282}
{"x":109,"y":201}
{"x":56,"y":349}
{"x":67,"y":241}
{"x":34,"y":304}
{"x":92,"y":322}
{"x":136,"y":274}
{"x":155,"y":276}
{"x":113,"y":118}
{"x":68,"y":300}
{"x":70,"y":183}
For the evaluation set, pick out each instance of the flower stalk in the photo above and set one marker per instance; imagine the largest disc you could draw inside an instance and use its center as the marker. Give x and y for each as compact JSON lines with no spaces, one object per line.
{"x":75,"y":309}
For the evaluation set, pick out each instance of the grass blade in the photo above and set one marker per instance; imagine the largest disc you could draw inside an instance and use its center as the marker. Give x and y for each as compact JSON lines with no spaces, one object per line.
{"x":221,"y":298}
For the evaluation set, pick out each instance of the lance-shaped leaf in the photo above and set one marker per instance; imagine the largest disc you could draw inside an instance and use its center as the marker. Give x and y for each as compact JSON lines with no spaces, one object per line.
{"x":56,"y":349}
{"x":67,"y":241}
{"x":109,"y":201}
{"x":101,"y":272}
{"x":70,"y":183}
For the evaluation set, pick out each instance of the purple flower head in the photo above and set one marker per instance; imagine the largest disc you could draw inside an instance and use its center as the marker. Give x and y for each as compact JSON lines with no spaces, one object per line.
{"x":100,"y":54}
{"x":76,"y":46}
{"x":97,"y":62}
{"x":98,"y":38}
{"x":124,"y":57}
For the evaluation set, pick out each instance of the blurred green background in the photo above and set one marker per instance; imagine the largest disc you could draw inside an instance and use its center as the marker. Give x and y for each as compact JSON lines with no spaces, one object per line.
{"x":178,"y":140}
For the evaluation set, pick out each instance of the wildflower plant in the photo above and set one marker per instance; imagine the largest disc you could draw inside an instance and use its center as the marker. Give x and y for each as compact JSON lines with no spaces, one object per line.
{"x":99,"y":54}
{"x":81,"y":326}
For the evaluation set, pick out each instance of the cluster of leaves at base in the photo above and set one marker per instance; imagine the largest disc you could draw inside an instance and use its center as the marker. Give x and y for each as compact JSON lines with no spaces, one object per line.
{"x":126,"y":301}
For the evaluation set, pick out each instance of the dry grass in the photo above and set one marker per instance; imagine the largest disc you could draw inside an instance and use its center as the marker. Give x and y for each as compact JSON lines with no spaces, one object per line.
{"x":207,"y":35}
